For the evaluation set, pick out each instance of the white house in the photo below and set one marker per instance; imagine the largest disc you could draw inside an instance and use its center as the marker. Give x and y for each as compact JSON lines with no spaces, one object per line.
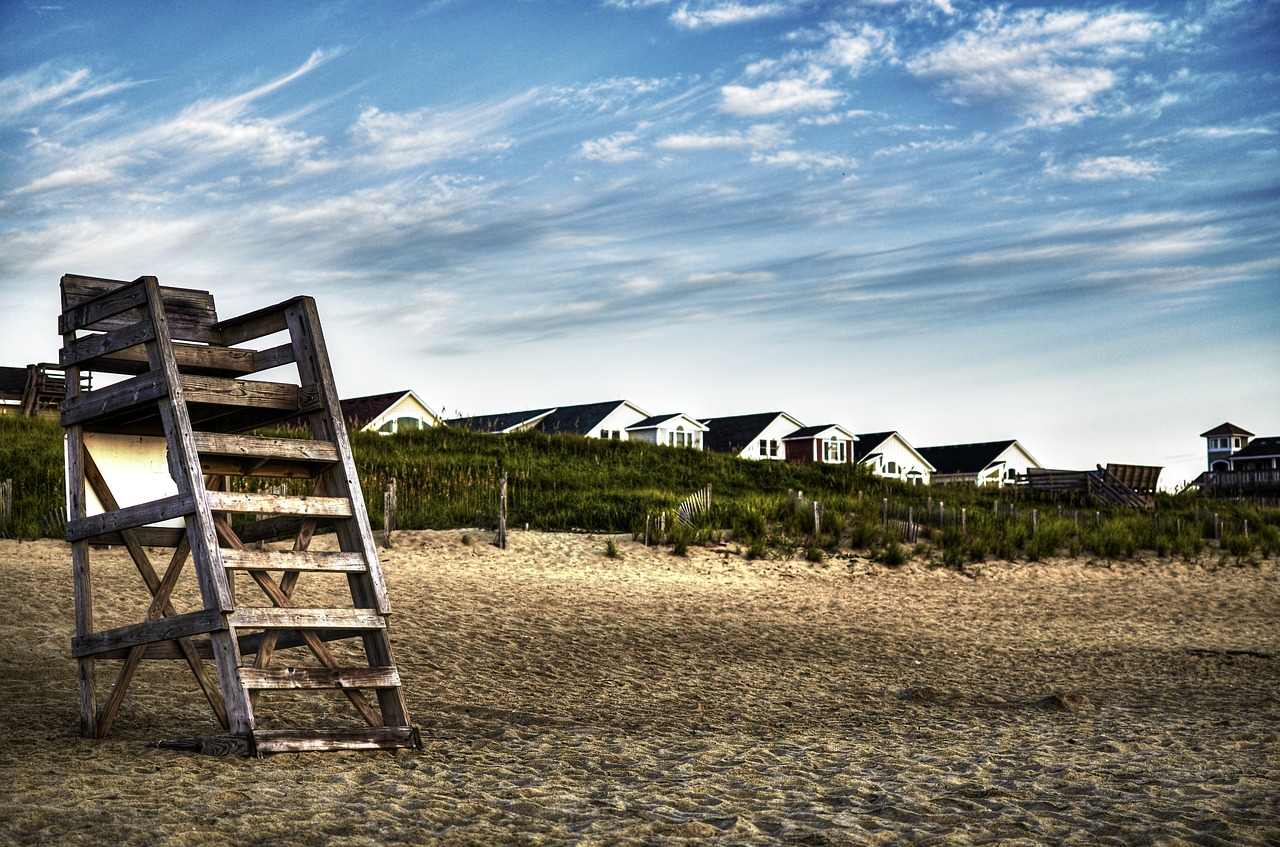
{"x":674,"y":430}
{"x":608,"y":420}
{"x":888,"y":454}
{"x":986,"y":463}
{"x":389,"y":413}
{"x":757,"y":436}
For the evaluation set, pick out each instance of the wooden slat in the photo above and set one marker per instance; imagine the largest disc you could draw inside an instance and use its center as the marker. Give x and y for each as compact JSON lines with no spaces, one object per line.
{"x":319,"y":678}
{"x":256,"y":324}
{"x":91,"y":303}
{"x":149,"y":632}
{"x":127,"y":394}
{"x":272,"y":504}
{"x":289,"y":561}
{"x":92,"y":347}
{"x":177,"y":506}
{"x":240,"y":392}
{"x":320,"y":740}
{"x":258,"y":447}
{"x":261,"y":617}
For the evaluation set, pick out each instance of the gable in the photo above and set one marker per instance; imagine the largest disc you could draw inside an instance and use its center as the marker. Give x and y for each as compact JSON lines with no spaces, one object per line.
{"x":736,"y":433}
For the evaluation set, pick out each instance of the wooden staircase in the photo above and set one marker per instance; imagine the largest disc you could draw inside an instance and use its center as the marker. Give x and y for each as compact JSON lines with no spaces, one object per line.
{"x":186,"y":387}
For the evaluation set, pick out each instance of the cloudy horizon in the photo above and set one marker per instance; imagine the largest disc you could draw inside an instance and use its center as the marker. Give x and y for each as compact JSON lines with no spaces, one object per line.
{"x":965,"y":222}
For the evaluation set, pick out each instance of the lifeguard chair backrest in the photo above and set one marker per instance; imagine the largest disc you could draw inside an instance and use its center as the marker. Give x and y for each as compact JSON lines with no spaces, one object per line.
{"x":191,"y":313}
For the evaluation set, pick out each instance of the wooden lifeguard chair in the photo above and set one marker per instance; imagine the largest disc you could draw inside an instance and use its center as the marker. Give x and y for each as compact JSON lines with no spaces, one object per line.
{"x":186,"y":392}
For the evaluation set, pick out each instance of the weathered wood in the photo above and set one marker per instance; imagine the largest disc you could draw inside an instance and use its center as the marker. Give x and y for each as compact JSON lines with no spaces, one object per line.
{"x":176,"y":506}
{"x":89,"y":303}
{"x":240,"y":392}
{"x":263,"y":560}
{"x":203,"y":359}
{"x":319,"y":740}
{"x":273,"y":504}
{"x":261,"y":617}
{"x":145,"y":388}
{"x":94,"y":346}
{"x":252,"y":448}
{"x":389,"y":738}
{"x":256,"y":324}
{"x":148,"y":632}
{"x":319,"y":678}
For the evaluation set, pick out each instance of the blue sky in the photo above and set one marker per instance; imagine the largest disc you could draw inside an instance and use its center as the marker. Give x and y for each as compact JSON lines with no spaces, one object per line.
{"x":1056,"y":222}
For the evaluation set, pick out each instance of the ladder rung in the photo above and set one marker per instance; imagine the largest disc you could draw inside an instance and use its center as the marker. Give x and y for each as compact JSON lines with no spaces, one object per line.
{"x":94,"y":346}
{"x":317,"y":740}
{"x":272,"y":560}
{"x":142,"y":514}
{"x":275,"y":504}
{"x":222,"y":391}
{"x":148,"y":632}
{"x":319,"y":678}
{"x":246,"y":455}
{"x":114,"y":398}
{"x":264,"y":617}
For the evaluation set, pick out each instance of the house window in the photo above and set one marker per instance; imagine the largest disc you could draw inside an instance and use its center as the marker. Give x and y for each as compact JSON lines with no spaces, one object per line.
{"x":408,"y":423}
{"x":891,"y":468}
{"x":617,"y":435}
{"x":764,"y":447}
{"x":773,"y":448}
{"x":604,"y":433}
{"x":1235,"y":443}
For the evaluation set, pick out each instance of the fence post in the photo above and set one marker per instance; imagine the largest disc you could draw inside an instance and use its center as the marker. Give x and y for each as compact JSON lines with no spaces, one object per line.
{"x":6,"y":503}
{"x":817,"y":517}
{"x":647,"y":518}
{"x":389,"y":511}
{"x":884,"y":511}
{"x":964,"y":520}
{"x":1035,"y":520}
{"x":501,"y":540}
{"x":1217,"y":527}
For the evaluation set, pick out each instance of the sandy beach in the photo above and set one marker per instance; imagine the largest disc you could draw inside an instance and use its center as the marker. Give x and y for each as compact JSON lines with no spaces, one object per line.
{"x":568,"y":697}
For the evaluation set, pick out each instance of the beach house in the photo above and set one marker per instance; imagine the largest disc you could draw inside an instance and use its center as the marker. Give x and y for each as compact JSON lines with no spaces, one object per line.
{"x":823,"y":444}
{"x":755,"y":436}
{"x":397,"y":411}
{"x":674,"y":430}
{"x":986,"y":463}
{"x":889,"y":455}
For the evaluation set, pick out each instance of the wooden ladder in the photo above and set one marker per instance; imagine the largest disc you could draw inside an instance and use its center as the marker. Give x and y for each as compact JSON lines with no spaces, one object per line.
{"x":186,"y":388}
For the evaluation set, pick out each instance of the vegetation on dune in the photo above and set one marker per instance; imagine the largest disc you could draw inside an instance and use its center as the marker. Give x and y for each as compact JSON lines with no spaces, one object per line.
{"x":449,"y":478}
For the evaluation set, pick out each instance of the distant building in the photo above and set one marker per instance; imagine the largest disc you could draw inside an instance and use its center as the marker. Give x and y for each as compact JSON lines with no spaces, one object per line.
{"x":673,"y":430}
{"x":888,"y":454}
{"x":398,"y":411}
{"x":1222,"y":442}
{"x":609,"y":420}
{"x":824,"y":444}
{"x":755,"y":436}
{"x":986,"y":463}
{"x":1260,"y":454}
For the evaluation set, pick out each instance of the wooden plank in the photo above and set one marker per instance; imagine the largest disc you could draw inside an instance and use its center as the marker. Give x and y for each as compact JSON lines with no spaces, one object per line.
{"x":273,"y":357}
{"x":94,"y":346}
{"x":262,"y":617}
{"x":148,"y":632}
{"x":190,"y":314}
{"x":249,"y":644}
{"x":246,"y":503}
{"x":265,"y":321}
{"x":240,"y":392}
{"x":258,"y":447}
{"x":203,"y":359}
{"x":289,"y":561}
{"x":319,"y":678}
{"x":320,"y":740}
{"x":177,"y":506}
{"x":127,"y":394}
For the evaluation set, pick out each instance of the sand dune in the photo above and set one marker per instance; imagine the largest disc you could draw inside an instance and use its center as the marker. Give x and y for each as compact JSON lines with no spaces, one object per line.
{"x":565,"y":696}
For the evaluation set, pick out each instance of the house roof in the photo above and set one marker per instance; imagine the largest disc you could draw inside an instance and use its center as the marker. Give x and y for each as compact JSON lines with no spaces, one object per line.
{"x":965,"y":458}
{"x":654,"y":421}
{"x":1226,"y":429}
{"x":816,"y":431}
{"x":358,"y":412}
{"x":1259,"y":448}
{"x":582,"y":419}
{"x":579,"y":420}
{"x":13,"y":382}
{"x":734,"y":433}
{"x":868,"y":441}
{"x":499,"y":421}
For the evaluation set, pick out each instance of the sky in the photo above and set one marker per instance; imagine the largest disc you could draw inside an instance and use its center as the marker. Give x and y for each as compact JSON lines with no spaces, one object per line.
{"x":1055,"y":222}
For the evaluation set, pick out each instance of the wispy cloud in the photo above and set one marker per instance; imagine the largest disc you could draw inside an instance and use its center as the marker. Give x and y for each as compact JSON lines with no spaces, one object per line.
{"x":1050,"y":67}
{"x":795,"y":94}
{"x":1104,"y":168}
{"x":717,"y":14}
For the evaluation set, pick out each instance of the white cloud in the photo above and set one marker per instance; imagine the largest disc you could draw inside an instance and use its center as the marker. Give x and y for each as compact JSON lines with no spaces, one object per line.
{"x":726,"y":14}
{"x":405,"y":139}
{"x":1050,"y":66}
{"x":758,"y":137}
{"x":612,"y":149}
{"x":806,"y":161}
{"x":784,"y":95}
{"x":1101,"y":168}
